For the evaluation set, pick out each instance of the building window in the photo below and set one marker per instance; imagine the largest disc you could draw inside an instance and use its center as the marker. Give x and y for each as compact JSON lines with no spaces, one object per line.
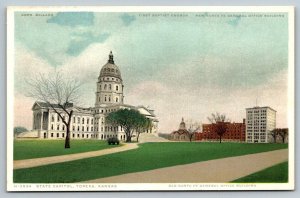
{"x":92,"y":121}
{"x":73,"y":135}
{"x":57,"y":134}
{"x":73,"y":119}
{"x":92,"y":128}
{"x":83,"y":128}
{"x":105,"y":87}
{"x":87,"y":135}
{"x":87,"y":121}
{"x":87,"y":128}
{"x":78,"y":120}
{"x":105,"y":98}
{"x":73,"y":128}
{"x":77,"y":135}
{"x":51,"y":126}
{"x":51,"y":134}
{"x":109,"y":86}
{"x":63,"y":128}
{"x":109,"y":98}
{"x":82,"y":135}
{"x":78,"y":128}
{"x":57,"y":128}
{"x":100,"y":87}
{"x":58,"y":118}
{"x":117,"y":88}
{"x":63,"y":135}
{"x":117,"y":99}
{"x":82,"y":120}
{"x":52,"y":118}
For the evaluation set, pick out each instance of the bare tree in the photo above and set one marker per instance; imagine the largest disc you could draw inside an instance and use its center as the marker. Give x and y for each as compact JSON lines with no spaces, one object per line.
{"x":192,"y":128}
{"x":59,"y":93}
{"x":219,"y":122}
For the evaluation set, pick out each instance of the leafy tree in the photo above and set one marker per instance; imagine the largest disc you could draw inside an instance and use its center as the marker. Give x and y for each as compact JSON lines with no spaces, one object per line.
{"x":19,"y":129}
{"x":274,"y":134}
{"x":129,"y":119}
{"x":283,"y":133}
{"x":219,"y":122}
{"x":143,"y":124}
{"x":59,"y":92}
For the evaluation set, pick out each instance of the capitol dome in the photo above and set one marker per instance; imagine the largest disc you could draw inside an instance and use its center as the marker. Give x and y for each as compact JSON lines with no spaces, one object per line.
{"x":110,"y":69}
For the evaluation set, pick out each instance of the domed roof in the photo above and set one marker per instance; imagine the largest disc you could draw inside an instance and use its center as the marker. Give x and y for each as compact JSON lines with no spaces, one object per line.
{"x":110,"y":69}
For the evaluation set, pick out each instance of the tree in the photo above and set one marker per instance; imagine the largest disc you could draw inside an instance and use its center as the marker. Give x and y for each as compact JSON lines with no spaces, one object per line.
{"x":219,"y":122}
{"x":192,"y":128}
{"x":283,"y":133}
{"x":59,"y":93}
{"x":143,"y":124}
{"x":274,"y":134}
{"x":129,"y":119}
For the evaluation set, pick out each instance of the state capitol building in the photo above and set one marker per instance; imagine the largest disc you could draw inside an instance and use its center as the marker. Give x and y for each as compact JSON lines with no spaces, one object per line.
{"x":90,"y":122}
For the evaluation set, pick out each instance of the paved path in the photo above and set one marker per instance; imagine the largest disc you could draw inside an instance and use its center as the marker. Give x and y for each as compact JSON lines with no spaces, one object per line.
{"x":28,"y":163}
{"x":217,"y":171}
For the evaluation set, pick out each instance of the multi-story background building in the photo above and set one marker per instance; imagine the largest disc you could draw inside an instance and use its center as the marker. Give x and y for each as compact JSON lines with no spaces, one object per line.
{"x":234,"y":132}
{"x":90,"y":122}
{"x":260,"y":121}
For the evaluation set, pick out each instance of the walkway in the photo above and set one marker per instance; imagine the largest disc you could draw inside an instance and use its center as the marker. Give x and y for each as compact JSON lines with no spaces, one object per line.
{"x":28,"y":163}
{"x":217,"y":171}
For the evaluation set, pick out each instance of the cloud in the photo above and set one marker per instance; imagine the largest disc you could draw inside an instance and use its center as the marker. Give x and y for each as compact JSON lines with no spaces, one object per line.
{"x":73,"y":19}
{"x":83,"y":40}
{"x":127,"y":19}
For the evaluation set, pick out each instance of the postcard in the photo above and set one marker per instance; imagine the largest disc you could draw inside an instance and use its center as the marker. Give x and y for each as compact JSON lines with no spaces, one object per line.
{"x":150,"y":98}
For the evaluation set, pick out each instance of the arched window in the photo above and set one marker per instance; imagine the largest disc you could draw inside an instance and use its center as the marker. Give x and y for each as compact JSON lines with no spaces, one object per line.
{"x":87,"y":128}
{"x":117,"y":88}
{"x":109,"y":98}
{"x":105,"y":86}
{"x":52,"y":118}
{"x":57,"y":128}
{"x":87,"y":121}
{"x":58,"y":118}
{"x":63,"y":128}
{"x":73,"y":128}
{"x":83,"y":128}
{"x":82,"y":120}
{"x":78,"y":128}
{"x":105,"y":98}
{"x":117,"y":99}
{"x":51,"y":126}
{"x":78,"y":120}
{"x":109,"y":86}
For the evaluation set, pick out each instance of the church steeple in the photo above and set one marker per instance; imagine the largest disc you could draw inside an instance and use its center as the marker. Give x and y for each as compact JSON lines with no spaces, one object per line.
{"x":111,"y":58}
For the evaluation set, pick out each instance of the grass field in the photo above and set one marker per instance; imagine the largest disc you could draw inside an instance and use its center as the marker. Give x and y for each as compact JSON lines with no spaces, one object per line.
{"x":27,"y":149}
{"x":274,"y":174}
{"x":147,"y":157}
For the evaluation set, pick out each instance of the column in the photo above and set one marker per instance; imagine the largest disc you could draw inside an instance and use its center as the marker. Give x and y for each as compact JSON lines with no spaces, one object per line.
{"x":42,"y":120}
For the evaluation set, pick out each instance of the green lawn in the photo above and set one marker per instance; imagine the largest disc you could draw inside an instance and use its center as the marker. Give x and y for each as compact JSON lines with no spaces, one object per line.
{"x":149,"y":156}
{"x":273,"y":174}
{"x":27,"y":149}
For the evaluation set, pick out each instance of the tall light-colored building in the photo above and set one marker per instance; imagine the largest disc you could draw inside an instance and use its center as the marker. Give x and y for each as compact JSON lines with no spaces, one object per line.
{"x":90,"y":122}
{"x":259,"y":122}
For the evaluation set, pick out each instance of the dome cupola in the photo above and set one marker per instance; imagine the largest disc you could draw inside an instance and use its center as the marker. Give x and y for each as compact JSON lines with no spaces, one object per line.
{"x":110,"y":69}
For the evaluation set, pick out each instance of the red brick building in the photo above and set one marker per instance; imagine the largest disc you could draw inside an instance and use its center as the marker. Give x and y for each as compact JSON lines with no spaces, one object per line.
{"x":234,"y":132}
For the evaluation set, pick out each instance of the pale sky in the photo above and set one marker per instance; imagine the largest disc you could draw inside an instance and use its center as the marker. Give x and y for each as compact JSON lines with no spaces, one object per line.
{"x":188,"y":66}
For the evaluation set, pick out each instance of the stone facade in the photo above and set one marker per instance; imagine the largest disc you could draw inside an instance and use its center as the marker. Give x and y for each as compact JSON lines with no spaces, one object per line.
{"x":90,"y":122}
{"x":260,"y":121}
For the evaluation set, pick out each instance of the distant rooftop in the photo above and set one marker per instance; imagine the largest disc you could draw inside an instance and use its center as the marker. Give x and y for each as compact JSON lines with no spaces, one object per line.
{"x":258,"y":107}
